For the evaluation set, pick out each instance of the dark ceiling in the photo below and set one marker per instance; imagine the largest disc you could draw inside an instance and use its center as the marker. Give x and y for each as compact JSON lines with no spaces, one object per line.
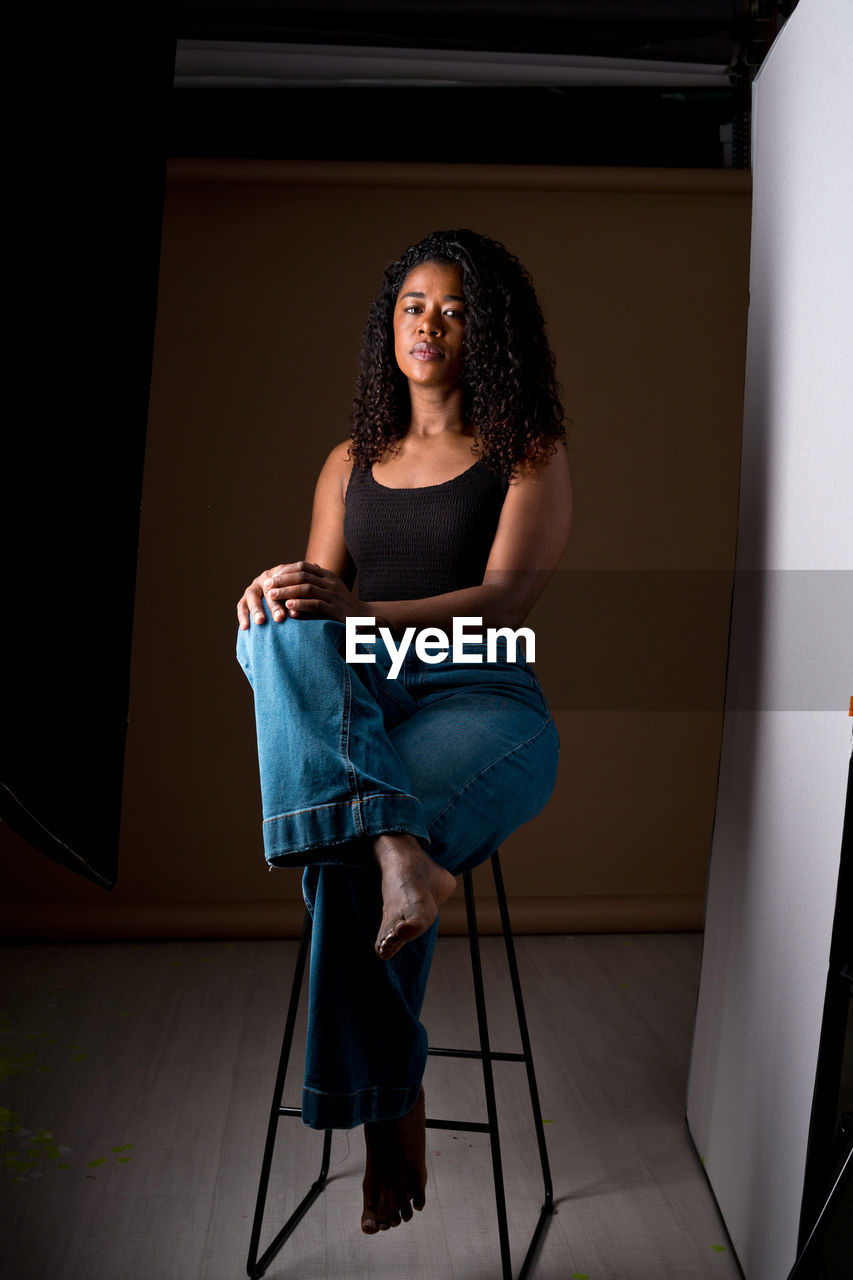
{"x":558,"y":123}
{"x":677,"y":29}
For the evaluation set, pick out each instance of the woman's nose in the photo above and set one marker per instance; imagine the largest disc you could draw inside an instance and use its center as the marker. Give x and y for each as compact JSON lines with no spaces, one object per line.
{"x":431,"y":322}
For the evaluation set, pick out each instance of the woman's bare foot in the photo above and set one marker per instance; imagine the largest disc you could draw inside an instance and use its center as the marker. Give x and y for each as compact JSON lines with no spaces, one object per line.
{"x":395,"y":1172}
{"x":413,"y":888}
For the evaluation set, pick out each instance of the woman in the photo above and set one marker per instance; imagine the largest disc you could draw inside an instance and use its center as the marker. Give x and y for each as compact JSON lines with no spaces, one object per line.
{"x":385,"y":778}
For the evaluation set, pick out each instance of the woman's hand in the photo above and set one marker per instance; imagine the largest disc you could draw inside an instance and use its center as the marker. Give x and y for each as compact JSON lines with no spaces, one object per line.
{"x":300,"y":590}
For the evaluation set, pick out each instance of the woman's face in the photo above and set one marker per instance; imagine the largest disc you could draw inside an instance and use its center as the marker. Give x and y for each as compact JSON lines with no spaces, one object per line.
{"x":429,"y":325}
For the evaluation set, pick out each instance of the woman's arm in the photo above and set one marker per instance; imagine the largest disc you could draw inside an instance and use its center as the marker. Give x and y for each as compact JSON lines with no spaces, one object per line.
{"x":530,"y":538}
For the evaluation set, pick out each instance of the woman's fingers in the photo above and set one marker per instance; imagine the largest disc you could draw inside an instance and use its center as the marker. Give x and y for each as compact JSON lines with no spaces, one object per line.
{"x":301,"y":589}
{"x":307,"y":606}
{"x":252,"y":605}
{"x":297,"y":590}
{"x":277,"y":596}
{"x":291,"y":575}
{"x":302,"y":600}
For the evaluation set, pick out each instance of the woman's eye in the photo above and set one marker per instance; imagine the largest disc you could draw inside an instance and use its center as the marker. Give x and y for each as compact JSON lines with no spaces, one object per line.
{"x":413,"y":310}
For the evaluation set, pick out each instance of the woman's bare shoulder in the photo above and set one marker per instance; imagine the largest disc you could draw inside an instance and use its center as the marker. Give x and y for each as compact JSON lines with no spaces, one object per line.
{"x":550,"y":472}
{"x":339,"y":457}
{"x":536,"y":517}
{"x":336,"y":470}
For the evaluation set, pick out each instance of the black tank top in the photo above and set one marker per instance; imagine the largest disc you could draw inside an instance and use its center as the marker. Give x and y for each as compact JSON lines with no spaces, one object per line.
{"x":412,"y":543}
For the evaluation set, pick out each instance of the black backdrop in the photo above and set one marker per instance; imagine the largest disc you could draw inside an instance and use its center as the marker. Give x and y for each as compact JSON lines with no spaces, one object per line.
{"x":91,"y":111}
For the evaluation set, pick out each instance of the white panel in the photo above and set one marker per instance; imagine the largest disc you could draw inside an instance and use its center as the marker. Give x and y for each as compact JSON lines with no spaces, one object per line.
{"x":786,"y":738}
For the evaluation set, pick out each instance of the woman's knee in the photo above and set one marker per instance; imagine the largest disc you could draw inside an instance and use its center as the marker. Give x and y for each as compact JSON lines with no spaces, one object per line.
{"x":293,"y":640}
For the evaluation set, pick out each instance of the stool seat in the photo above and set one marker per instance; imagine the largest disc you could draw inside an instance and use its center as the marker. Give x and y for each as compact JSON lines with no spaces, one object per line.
{"x":257,"y":1266}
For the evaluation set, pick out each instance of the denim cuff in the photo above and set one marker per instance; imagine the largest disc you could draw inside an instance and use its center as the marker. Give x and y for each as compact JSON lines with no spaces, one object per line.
{"x":348,"y":1110}
{"x":326,"y":825}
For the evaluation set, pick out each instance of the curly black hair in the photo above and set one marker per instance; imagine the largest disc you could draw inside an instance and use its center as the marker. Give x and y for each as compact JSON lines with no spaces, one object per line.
{"x":508,"y":375}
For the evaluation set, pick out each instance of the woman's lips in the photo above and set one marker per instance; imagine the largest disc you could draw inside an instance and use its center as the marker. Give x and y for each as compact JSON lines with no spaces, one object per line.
{"x":426,"y":351}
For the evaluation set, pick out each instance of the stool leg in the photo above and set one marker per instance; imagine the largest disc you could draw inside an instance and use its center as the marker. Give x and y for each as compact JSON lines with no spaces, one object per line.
{"x":488,"y":1075}
{"x":254,"y":1266}
{"x":523,"y":1032}
{"x":548,"y":1205}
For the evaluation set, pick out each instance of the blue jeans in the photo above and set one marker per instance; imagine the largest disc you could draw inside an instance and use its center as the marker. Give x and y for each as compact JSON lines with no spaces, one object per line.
{"x":459,"y":755}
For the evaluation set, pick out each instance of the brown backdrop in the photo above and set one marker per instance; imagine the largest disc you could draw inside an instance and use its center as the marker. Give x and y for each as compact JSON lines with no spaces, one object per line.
{"x":266,"y":273}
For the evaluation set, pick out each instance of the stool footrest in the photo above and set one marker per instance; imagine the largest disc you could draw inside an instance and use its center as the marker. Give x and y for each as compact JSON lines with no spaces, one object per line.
{"x":464,"y":1126}
{"x":476,"y":1053}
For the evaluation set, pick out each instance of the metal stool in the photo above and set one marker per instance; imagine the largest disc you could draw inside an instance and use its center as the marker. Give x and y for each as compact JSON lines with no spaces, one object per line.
{"x":257,"y":1266}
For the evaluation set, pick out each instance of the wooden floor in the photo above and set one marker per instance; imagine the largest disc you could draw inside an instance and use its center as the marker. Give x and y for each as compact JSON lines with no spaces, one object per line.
{"x":136,"y":1089}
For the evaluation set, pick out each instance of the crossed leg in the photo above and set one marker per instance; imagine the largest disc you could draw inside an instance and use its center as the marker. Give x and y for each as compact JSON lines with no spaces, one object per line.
{"x":395,"y":1172}
{"x":413,"y":889}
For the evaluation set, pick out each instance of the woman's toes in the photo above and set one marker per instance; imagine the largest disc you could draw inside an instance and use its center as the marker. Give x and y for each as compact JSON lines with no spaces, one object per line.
{"x":387,"y":1211}
{"x":405,"y":930}
{"x":402,"y":1207}
{"x":388,"y":945}
{"x":368,"y":1221}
